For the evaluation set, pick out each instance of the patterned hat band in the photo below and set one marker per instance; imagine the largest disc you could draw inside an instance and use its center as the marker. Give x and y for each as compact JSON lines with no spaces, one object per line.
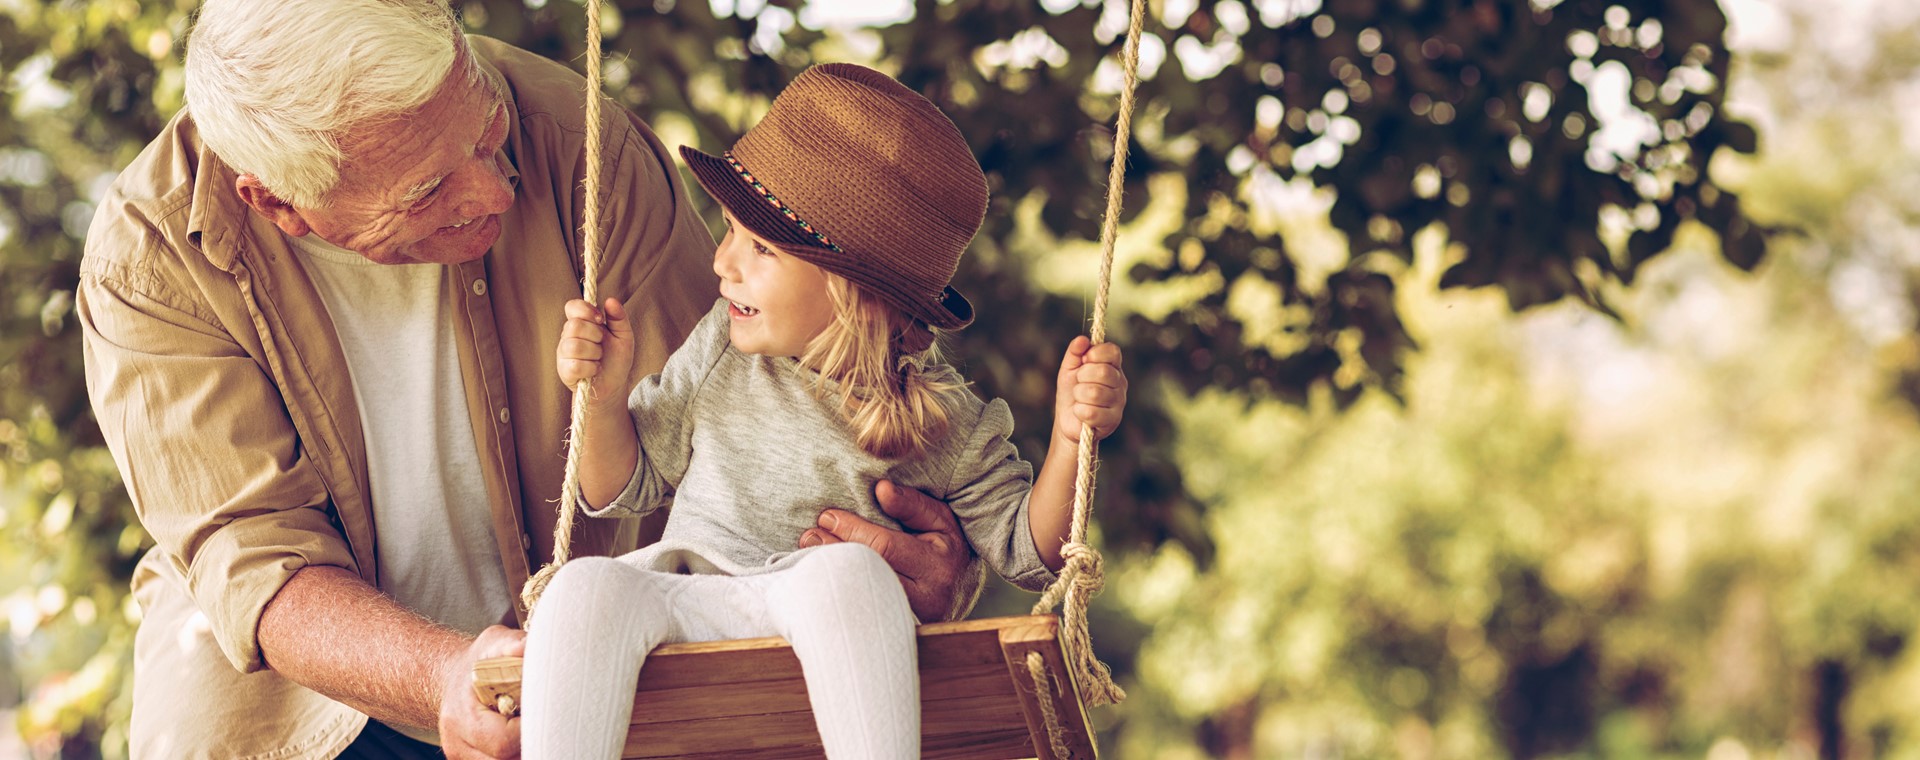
{"x":773,"y":201}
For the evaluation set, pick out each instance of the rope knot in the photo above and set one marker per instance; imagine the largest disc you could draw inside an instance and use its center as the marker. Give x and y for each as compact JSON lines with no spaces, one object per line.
{"x":1084,"y":566}
{"x":537,"y":584}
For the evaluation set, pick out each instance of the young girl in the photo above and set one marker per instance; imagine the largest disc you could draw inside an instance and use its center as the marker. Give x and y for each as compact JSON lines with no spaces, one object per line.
{"x":813,"y":378}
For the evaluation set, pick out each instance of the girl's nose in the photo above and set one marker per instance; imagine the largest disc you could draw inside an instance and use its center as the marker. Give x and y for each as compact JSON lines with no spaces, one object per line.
{"x":723,"y":264}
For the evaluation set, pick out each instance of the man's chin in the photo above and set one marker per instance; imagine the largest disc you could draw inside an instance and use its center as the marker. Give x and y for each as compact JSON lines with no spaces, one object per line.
{"x":442,"y":248}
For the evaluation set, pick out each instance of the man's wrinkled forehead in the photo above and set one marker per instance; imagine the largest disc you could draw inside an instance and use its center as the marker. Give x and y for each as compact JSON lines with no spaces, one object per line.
{"x":466,"y":100}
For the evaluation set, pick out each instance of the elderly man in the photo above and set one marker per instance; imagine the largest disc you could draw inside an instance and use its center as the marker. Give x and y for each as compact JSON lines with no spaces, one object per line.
{"x":318,"y":311}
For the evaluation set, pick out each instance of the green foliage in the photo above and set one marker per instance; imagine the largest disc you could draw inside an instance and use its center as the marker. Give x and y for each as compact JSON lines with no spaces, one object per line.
{"x":87,"y":86}
{"x":1575,"y":537}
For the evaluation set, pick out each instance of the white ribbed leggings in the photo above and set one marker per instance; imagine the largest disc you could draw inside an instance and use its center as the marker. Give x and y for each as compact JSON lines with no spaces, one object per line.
{"x":840,"y":606}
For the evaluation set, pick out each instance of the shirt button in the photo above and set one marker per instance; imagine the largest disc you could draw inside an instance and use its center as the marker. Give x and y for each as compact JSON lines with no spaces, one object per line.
{"x":479,"y":287}
{"x":526,"y":542}
{"x":505,"y":415}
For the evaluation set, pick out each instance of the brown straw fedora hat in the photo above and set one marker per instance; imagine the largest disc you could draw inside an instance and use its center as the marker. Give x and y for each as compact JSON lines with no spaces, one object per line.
{"x":863,"y":177}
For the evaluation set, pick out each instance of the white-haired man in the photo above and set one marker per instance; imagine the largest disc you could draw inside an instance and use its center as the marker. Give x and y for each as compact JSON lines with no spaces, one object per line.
{"x":317,"y":315}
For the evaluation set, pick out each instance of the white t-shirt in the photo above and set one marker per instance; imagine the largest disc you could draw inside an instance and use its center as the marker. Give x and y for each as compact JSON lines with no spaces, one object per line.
{"x":435,"y":542}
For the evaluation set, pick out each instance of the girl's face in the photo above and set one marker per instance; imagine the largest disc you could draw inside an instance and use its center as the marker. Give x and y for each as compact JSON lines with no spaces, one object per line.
{"x":779,"y":303}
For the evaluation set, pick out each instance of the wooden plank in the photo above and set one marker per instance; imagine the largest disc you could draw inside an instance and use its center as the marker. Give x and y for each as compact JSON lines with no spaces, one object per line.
{"x":1041,"y":635}
{"x":747,"y":698}
{"x":777,"y":735}
{"x":970,"y":727}
{"x":983,"y":682}
{"x":770,"y":659}
{"x":1010,"y":744}
{"x":1001,"y":744}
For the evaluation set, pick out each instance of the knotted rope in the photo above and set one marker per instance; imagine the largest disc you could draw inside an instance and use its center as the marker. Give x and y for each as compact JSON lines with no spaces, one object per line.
{"x":1082,"y":576}
{"x":589,"y":288}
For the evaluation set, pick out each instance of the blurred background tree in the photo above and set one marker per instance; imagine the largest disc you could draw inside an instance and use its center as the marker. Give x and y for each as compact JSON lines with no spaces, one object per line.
{"x":1326,"y":542}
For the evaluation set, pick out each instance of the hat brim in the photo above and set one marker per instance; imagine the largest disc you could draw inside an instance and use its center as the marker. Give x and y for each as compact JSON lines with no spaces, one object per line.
{"x":951,"y":312}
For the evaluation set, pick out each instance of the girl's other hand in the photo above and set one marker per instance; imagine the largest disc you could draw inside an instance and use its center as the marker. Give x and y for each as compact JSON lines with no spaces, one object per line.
{"x":1092,"y":390}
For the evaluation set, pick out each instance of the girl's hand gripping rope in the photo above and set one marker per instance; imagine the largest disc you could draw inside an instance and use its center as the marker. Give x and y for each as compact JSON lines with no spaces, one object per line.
{"x":597,"y":345}
{"x":1092,"y":390}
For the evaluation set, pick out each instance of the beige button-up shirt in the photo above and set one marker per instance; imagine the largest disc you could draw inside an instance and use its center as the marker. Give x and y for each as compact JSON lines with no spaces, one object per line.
{"x":223,"y":394}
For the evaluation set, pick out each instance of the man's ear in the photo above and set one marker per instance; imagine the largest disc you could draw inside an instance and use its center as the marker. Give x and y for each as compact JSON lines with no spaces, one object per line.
{"x":262,"y":200}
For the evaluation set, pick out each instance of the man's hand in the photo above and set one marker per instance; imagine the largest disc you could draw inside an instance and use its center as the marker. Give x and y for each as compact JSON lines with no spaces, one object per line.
{"x":932,"y":560}
{"x":469,"y":729}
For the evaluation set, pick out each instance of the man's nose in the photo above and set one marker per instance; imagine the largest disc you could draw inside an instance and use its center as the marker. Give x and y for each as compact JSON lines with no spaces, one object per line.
{"x":490,"y":193}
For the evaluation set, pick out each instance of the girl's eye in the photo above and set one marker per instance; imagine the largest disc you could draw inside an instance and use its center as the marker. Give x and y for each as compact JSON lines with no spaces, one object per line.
{"x":762,"y":249}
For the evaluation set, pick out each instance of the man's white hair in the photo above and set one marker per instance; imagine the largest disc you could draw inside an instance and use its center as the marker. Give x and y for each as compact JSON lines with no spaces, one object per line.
{"x":275,"y":84}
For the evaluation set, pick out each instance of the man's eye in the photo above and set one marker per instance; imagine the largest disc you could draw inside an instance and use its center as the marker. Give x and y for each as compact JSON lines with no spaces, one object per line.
{"x":425,"y":200}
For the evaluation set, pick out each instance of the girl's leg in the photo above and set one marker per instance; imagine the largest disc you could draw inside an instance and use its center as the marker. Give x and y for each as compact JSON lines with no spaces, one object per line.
{"x":844,"y":612}
{"x":596,"y":622}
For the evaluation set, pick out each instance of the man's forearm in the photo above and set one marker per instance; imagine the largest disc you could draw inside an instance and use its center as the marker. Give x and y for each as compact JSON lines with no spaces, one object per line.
{"x":329,"y":631}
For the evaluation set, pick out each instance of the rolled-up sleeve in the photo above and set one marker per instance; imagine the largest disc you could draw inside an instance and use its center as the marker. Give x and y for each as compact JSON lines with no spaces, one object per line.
{"x":205,"y":445}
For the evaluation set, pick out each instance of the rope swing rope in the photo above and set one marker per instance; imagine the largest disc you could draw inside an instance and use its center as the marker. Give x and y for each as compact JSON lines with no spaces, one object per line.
{"x":589,"y":288}
{"x":1082,"y":576}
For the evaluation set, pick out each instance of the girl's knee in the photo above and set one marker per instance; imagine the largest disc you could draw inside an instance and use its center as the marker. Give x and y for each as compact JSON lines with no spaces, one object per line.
{"x":587,"y":584}
{"x":829,"y":580}
{"x":846,"y":561}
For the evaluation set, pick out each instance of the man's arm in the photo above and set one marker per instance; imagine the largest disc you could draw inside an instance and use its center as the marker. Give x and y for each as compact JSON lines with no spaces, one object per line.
{"x":331,"y":632}
{"x":935,"y":563}
{"x":230,"y":496}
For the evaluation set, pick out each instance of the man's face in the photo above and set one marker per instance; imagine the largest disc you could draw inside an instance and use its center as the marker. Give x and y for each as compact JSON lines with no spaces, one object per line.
{"x":425,"y":188}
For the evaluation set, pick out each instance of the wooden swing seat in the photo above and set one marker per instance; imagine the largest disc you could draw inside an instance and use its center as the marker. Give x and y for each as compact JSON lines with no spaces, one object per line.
{"x":746,"y":699}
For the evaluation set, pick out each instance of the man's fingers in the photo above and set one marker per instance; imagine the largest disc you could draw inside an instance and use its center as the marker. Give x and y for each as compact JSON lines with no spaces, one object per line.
{"x":469,"y":728}
{"x":915,"y":510}
{"x":817,"y":537}
{"x":906,"y":556}
{"x":476,"y":731}
{"x":848,"y":526}
{"x":500,"y":641}
{"x":492,"y":734}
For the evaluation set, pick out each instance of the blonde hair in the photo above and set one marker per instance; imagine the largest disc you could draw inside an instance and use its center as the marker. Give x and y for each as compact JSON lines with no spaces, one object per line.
{"x":888,"y":394}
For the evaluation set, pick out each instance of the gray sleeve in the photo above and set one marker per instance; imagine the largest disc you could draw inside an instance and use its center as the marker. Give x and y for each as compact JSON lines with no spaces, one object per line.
{"x":989,"y":492}
{"x":661,"y":406}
